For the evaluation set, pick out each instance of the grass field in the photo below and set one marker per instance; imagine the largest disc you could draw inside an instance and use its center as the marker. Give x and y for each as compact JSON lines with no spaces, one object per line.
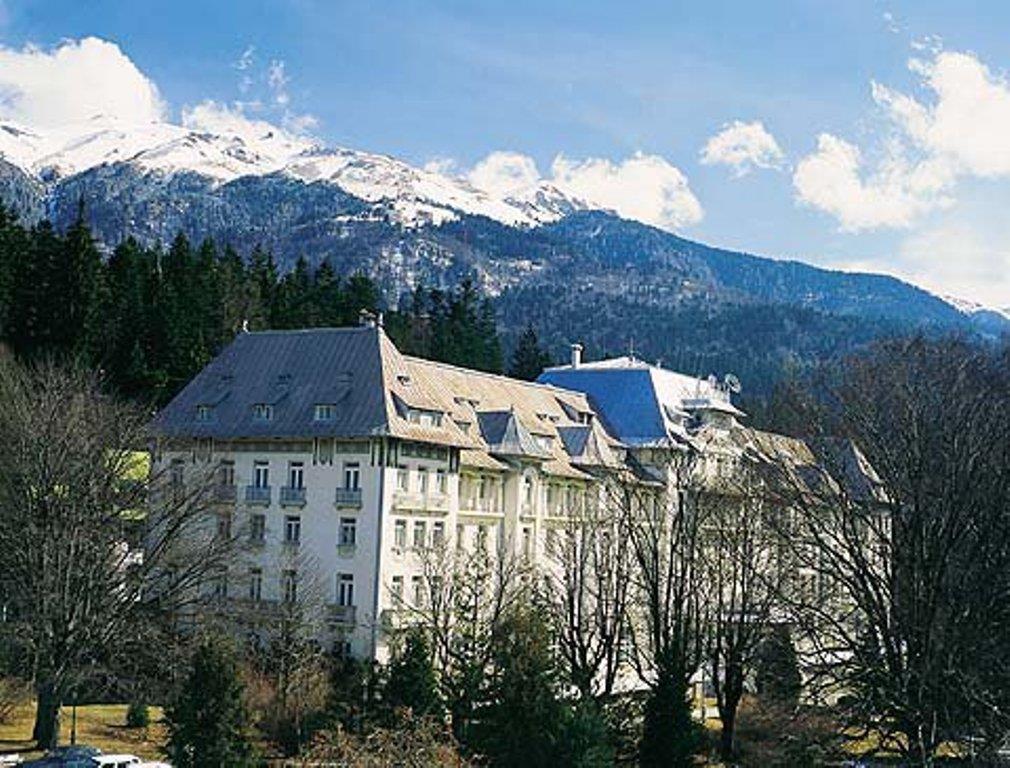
{"x":98,"y":725}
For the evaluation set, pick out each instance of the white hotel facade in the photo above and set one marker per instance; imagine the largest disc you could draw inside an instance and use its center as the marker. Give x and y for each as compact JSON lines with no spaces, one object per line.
{"x":336,"y":460}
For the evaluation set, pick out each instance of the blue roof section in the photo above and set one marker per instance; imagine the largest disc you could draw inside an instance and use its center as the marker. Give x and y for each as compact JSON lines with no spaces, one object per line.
{"x":624,"y":398}
{"x":293,"y":371}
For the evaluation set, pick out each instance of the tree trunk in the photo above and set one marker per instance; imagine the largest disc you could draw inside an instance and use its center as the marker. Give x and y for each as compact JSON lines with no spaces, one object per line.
{"x":727,"y":737}
{"x":47,"y":716}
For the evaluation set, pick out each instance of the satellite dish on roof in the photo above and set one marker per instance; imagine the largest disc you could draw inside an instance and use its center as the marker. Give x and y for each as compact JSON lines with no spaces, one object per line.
{"x":732,"y":383}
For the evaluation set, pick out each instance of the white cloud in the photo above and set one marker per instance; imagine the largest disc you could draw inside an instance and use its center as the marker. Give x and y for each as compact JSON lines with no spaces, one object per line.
{"x":502,"y":173}
{"x":959,"y":259}
{"x":642,"y":187}
{"x":960,"y":131}
{"x":743,"y":146}
{"x":833,"y":179}
{"x":278,"y":80}
{"x":73,"y":82}
{"x":245,"y":61}
{"x":968,"y":121}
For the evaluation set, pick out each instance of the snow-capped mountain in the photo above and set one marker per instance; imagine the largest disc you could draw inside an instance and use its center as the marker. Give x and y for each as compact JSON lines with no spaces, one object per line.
{"x":968,"y":307}
{"x":415,"y":196}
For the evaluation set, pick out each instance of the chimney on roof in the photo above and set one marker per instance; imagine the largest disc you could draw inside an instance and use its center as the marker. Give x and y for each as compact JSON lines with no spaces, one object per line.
{"x":380,"y":320}
{"x":366,"y":319}
{"x":576,"y":355}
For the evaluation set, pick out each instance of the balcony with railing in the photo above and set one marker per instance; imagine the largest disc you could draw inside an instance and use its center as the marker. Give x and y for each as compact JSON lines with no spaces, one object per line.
{"x":292,"y":497}
{"x":257,"y":494}
{"x":342,"y":614}
{"x":481,"y":506}
{"x":349,"y":498}
{"x":225,"y":493}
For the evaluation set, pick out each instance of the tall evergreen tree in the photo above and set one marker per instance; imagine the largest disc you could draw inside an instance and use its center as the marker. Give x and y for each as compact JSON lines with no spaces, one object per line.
{"x":529,"y":359}
{"x":523,"y":722}
{"x":412,"y":683}
{"x":208,"y":722}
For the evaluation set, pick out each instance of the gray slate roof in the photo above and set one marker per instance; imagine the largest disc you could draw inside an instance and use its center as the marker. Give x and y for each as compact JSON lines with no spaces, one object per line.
{"x":293,"y":371}
{"x":505,"y":435}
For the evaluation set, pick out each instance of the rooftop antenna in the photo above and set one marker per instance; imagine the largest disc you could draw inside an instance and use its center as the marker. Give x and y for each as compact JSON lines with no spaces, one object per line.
{"x":631,"y":347}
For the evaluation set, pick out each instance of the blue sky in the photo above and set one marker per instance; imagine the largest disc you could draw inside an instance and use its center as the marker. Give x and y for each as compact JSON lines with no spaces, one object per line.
{"x":912,"y":179}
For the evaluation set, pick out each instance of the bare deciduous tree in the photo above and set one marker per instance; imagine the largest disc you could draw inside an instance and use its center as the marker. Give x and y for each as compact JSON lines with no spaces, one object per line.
{"x":587,"y":576}
{"x":92,"y":546}
{"x":906,"y":547}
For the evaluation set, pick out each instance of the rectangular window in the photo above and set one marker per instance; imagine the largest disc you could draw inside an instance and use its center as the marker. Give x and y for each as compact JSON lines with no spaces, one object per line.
{"x":257,"y":528}
{"x":261,"y":474}
{"x":203,"y":413}
{"x":226,"y":473}
{"x":224,"y":526}
{"x":176,"y":472}
{"x":437,"y":533}
{"x":460,"y":537}
{"x":400,"y":533}
{"x":417,"y":586}
{"x":325,"y":412}
{"x":292,"y":529}
{"x":420,"y":534}
{"x":348,"y":531}
{"x":422,"y":480}
{"x":289,"y":586}
{"x":345,"y":589}
{"x":440,"y":483}
{"x":352,"y":476}
{"x":221,"y":585}
{"x":322,"y":450}
{"x":482,"y":539}
{"x":396,"y":589}
{"x":527,"y":542}
{"x":296,"y":475}
{"x":255,"y":584}
{"x":402,"y":479}
{"x":263,"y":412}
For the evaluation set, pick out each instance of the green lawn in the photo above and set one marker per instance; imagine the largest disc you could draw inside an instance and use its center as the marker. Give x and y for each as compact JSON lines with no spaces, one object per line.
{"x":99,"y":725}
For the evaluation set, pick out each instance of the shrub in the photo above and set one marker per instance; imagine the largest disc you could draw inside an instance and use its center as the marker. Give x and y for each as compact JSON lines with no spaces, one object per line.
{"x":137,"y":715}
{"x":13,"y":694}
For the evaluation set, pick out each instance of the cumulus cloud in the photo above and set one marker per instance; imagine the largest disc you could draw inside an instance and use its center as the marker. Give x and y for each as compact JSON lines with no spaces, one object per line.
{"x":960,"y":259}
{"x":959,"y":131}
{"x":642,"y":187}
{"x":742,"y":146}
{"x":73,"y":82}
{"x":834,"y":179}
{"x":502,"y":173}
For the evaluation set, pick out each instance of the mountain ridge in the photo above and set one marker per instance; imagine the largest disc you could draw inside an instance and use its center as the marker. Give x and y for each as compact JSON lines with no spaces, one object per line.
{"x":404,"y":227}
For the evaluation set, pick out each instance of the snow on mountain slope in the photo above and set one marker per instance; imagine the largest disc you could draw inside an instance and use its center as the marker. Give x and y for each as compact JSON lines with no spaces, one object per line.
{"x":968,"y":307}
{"x":415,"y":196}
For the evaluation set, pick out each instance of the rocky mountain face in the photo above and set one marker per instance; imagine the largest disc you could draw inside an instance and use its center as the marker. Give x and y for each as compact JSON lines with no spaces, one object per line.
{"x":547,"y":258}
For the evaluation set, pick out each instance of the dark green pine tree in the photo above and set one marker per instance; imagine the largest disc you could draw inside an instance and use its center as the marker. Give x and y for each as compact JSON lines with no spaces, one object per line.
{"x":126,"y":346}
{"x":78,"y":279}
{"x":13,"y":245}
{"x":528,"y":359}
{"x":293,"y":305}
{"x":263,"y":283}
{"x":35,"y":303}
{"x":207,"y":722}
{"x":523,"y":722}
{"x":670,"y":737}
{"x":412,"y":683}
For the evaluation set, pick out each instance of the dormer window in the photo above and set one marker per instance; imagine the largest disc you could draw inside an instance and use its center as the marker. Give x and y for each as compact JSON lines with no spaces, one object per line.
{"x":424,"y":418}
{"x":263,"y":412}
{"x":203,"y":412}
{"x":325,"y":412}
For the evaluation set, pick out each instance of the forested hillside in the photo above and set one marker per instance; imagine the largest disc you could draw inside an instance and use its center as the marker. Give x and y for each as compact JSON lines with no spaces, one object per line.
{"x":150,"y":318}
